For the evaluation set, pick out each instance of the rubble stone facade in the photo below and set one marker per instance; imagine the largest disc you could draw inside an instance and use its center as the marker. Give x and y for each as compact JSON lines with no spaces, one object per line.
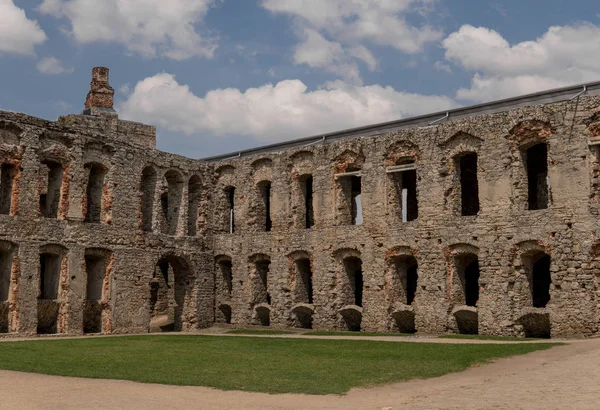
{"x":486,"y":223}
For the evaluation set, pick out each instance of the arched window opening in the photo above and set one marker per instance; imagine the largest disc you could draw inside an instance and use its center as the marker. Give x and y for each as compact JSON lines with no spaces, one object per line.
{"x":349,"y":197}
{"x":96,"y":268}
{"x":406,"y":270}
{"x":404,"y":183}
{"x":148,"y":186}
{"x":304,"y":282}
{"x":467,"y":269}
{"x":226,"y":279}
{"x":261,"y":289}
{"x":264,"y":190}
{"x":469,"y":185}
{"x":230,"y":198}
{"x":7,"y":178}
{"x":95,"y":192}
{"x":168,"y":289}
{"x":353,"y":269}
{"x":51,"y":179}
{"x":538,"y":182}
{"x":171,"y":201}
{"x":51,"y":265}
{"x":540,"y":281}
{"x":306,"y":187}
{"x":194,"y":196}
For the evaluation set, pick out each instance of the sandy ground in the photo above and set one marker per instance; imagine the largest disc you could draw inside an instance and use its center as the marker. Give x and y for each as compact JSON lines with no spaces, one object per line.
{"x":563,"y":377}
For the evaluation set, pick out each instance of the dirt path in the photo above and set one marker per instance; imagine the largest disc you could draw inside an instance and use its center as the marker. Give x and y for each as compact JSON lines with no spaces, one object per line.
{"x":559,"y":378}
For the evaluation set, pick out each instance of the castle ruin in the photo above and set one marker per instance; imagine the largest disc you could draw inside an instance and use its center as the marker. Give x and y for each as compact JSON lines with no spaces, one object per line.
{"x":485,"y":219}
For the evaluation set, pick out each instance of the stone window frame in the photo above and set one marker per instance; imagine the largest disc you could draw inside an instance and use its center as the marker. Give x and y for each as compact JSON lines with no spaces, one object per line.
{"x":455,"y":271}
{"x":401,"y":152}
{"x":56,"y":154}
{"x":301,"y":168}
{"x":524,"y":251}
{"x":293,"y":277}
{"x":195,"y":209}
{"x":453,"y":149}
{"x":105,"y":195}
{"x":256,"y":285}
{"x":262,"y":175}
{"x":348,"y":161}
{"x":104,"y":303}
{"x":59,"y":304}
{"x":522,"y":136}
{"x":395,"y":289}
{"x":184,"y":276}
{"x":147,"y":191}
{"x":222,"y":215}
{"x":171,"y":186}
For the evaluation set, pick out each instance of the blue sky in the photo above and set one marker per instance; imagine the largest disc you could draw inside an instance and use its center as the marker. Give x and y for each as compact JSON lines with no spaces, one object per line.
{"x":222,"y":75}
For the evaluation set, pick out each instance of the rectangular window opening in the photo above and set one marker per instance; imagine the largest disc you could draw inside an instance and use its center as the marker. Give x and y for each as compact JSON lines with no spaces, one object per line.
{"x":230,"y":192}
{"x":309,"y":215}
{"x":51,"y":186}
{"x":538,"y":182}
{"x":356,"y":199}
{"x":469,"y":186}
{"x":265,"y":191}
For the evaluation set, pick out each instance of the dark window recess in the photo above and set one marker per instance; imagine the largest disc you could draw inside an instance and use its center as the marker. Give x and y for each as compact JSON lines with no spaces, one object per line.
{"x":95,"y":189}
{"x":410,"y":206}
{"x":50,"y":267}
{"x":148,"y":186}
{"x":412,"y":277}
{"x":472,"y":283}
{"x":304,"y":284}
{"x":537,"y":177}
{"x":356,"y":195}
{"x":541,"y":280}
{"x":262,"y":269}
{"x":469,"y":187}
{"x":7,"y":176}
{"x":353,"y":267}
{"x":50,"y":194}
{"x":309,"y":215}
{"x":96,"y":271}
{"x":265,"y":193}
{"x":226,"y":276}
{"x":230,"y":193}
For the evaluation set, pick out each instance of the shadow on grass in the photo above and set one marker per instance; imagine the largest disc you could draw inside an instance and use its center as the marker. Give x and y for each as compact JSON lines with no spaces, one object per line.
{"x":497,"y":338}
{"x":259,"y":332}
{"x":364,"y":334}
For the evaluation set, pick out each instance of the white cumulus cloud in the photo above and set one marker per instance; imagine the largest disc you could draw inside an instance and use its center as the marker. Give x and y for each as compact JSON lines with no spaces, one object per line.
{"x":51,"y":65}
{"x":335,"y":33}
{"x":150,"y":28}
{"x":271,"y":113}
{"x":564,"y":55}
{"x":18,"y":34}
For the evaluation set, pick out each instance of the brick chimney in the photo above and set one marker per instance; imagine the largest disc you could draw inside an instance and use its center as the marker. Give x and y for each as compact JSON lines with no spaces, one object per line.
{"x":101,"y":95}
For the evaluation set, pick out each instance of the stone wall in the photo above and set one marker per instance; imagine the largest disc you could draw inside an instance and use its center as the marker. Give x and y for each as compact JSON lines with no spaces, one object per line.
{"x":277,"y":238}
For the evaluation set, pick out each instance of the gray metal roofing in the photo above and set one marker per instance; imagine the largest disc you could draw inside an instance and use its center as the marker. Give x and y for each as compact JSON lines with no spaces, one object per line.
{"x":543,"y":97}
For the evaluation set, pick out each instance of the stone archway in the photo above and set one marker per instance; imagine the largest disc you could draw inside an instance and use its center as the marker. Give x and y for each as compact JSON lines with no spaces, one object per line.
{"x":170,"y":288}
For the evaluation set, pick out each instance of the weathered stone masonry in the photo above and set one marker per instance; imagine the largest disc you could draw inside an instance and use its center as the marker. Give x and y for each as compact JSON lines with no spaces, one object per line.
{"x":484,"y":222}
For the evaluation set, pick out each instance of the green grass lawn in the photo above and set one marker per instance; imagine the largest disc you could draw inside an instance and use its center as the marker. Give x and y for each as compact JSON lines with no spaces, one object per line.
{"x":483,"y":337}
{"x":259,"y":332}
{"x":271,"y":365}
{"x":317,"y":333}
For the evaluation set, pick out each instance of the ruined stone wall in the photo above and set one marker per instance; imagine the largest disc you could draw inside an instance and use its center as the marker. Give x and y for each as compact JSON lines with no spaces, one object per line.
{"x":504,"y":236}
{"x":111,"y":244}
{"x":166,"y":250}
